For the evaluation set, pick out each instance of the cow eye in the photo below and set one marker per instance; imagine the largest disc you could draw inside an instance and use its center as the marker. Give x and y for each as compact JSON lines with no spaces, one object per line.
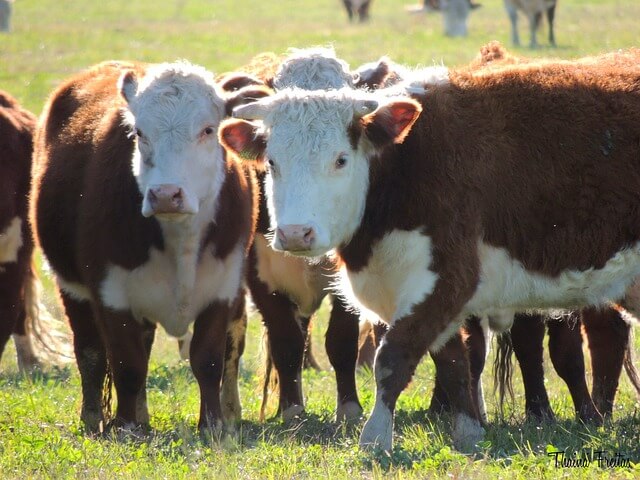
{"x":271,"y":163}
{"x":341,"y":162}
{"x":139,"y":133}
{"x":207,"y":131}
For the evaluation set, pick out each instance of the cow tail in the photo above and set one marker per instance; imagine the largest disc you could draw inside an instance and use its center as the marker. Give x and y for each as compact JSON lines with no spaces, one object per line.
{"x":50,"y":342}
{"x":269,"y":375}
{"x":503,"y":370}
{"x":629,"y":366}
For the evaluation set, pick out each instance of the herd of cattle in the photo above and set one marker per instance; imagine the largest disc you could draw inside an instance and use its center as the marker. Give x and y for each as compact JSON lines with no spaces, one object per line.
{"x":438,"y":202}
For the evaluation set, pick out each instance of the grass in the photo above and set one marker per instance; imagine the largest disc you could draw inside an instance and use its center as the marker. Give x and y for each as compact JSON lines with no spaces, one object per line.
{"x":40,"y":433}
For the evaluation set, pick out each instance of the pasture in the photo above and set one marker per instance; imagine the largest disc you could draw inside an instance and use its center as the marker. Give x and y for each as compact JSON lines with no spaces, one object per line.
{"x":40,"y":432}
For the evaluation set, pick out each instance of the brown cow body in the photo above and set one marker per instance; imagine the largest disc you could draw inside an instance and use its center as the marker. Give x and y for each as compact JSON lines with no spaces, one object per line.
{"x":504,"y":194}
{"x":123,"y":269}
{"x":16,"y":244}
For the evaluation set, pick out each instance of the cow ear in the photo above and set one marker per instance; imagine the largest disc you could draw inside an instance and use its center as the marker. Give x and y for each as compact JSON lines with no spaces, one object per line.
{"x":242,"y":139}
{"x":128,"y":85}
{"x":244,"y":96}
{"x":372,"y":76}
{"x":391,"y":122}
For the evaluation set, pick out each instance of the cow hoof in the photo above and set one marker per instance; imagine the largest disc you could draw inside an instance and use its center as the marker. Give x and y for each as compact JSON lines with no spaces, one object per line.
{"x":467,"y":432}
{"x":348,"y":412}
{"x":292,"y":413}
{"x":377,"y":433}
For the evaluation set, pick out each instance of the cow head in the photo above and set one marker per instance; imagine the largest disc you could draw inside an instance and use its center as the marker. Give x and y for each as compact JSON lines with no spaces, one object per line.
{"x":317,"y":147}
{"x":174,"y":111}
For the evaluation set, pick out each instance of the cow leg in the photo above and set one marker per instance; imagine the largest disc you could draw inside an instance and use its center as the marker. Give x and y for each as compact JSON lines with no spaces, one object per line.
{"x":142,"y":409}
{"x":286,"y":341}
{"x":608,"y":335}
{"x":513,"y":17}
{"x":341,"y":343}
{"x":363,"y":11}
{"x":527,"y":335}
{"x":551,"y":14}
{"x":11,"y":305}
{"x":91,"y":358}
{"x":128,"y":359}
{"x":476,"y":345}
{"x":565,"y":350}
{"x":534,"y":23}
{"x":350,"y":12}
{"x":400,"y":351}
{"x":236,"y":333}
{"x":309,"y":359}
{"x":207,"y":361}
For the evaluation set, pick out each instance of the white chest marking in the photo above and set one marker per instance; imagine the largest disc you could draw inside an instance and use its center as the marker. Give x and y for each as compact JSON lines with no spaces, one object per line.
{"x":396,"y":278}
{"x":505,"y":284}
{"x":305,"y":284}
{"x":173,"y":293}
{"x":11,"y":241}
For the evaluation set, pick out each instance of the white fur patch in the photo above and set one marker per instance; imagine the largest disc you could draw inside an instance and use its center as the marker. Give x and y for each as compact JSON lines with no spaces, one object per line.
{"x":11,"y":241}
{"x":378,"y":431}
{"x":171,"y":294}
{"x":396,"y":278}
{"x":505,"y":284}
{"x":304,"y":283}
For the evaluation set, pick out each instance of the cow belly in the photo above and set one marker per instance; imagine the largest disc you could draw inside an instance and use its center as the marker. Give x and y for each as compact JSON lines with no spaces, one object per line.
{"x":160,"y":292}
{"x":305,"y":284}
{"x":396,"y":277}
{"x":11,"y":241}
{"x":506,"y":284}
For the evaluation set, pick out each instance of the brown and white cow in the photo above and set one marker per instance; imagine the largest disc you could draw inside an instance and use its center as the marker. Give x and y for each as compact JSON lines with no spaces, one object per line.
{"x":145,"y":220}
{"x":458,"y":202}
{"x":533,"y":10}
{"x":17,"y":277}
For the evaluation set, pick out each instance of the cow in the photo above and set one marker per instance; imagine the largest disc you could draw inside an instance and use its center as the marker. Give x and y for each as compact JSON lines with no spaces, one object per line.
{"x":533,"y":9}
{"x":18,"y":281}
{"x":357,"y":8}
{"x":6,"y":7}
{"x":457,"y":201}
{"x":145,"y":220}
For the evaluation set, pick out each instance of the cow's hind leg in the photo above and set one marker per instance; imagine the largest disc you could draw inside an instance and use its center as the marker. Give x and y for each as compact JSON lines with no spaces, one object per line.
{"x":565,"y":350}
{"x":128,"y":359}
{"x":236,"y":332}
{"x":341,"y":343}
{"x":551,"y":14}
{"x":207,"y":361}
{"x":608,"y":336}
{"x":527,"y":335}
{"x":142,"y":409}
{"x":91,"y":358}
{"x":513,"y":18}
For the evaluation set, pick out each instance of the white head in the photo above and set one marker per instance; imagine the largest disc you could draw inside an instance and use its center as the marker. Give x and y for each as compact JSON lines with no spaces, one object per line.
{"x":455,"y":13}
{"x":317,"y":146}
{"x":313,"y":69}
{"x":175,"y":110}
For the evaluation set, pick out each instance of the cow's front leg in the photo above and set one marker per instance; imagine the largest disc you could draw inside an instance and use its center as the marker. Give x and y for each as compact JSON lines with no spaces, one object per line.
{"x":396,"y":361}
{"x":207,"y":361}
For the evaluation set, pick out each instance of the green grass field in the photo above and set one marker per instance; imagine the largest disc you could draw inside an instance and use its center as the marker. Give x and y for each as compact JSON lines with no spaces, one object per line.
{"x":40,"y":433}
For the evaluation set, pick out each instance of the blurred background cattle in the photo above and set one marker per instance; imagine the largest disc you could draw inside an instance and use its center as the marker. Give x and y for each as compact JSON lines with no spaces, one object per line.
{"x":533,"y":10}
{"x":5,"y":15}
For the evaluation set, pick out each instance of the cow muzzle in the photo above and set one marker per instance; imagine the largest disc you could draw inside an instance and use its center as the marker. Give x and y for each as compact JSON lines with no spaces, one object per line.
{"x":295,"y":238}
{"x":166,"y":199}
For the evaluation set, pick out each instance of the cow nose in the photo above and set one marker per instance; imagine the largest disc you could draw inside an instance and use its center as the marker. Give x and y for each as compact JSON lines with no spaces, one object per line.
{"x":296,"y":237}
{"x":166,"y":198}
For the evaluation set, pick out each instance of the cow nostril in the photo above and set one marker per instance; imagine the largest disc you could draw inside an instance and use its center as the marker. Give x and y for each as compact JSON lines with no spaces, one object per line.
{"x":309,"y":235}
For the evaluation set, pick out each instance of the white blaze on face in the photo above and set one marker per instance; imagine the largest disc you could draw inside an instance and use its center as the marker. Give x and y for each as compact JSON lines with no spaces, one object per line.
{"x":175,"y":111}
{"x":316,"y":176}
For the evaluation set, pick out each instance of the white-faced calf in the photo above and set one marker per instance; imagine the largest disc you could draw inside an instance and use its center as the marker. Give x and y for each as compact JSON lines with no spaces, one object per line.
{"x":459,"y":202}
